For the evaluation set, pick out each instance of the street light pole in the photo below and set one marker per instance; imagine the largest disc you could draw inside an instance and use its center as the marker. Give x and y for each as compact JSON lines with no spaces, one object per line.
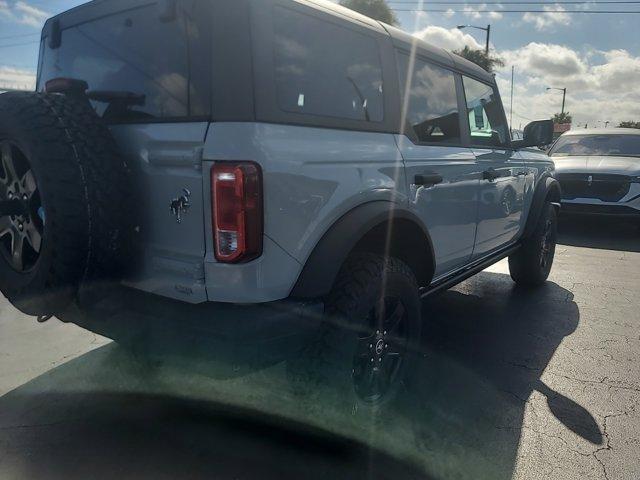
{"x":488,"y":30}
{"x":488,"y":35}
{"x":564,"y":95}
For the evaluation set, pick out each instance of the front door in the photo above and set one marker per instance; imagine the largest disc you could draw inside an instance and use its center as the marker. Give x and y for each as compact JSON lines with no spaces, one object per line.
{"x":501,"y":198}
{"x":503,"y":178}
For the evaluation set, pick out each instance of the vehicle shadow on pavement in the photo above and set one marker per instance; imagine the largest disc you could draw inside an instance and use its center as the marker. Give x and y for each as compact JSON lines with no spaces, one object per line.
{"x":600,"y":232}
{"x":485,"y":346}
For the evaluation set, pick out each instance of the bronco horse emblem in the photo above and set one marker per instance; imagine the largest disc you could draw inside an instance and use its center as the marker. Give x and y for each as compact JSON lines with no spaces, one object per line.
{"x":181,"y":205}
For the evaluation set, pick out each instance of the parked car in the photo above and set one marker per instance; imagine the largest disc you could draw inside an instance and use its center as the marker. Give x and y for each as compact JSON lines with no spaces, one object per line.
{"x":250,"y":159}
{"x":599,"y":171}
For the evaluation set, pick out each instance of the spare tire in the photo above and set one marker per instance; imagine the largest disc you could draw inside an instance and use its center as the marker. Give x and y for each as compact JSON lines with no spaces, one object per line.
{"x":63,"y":201}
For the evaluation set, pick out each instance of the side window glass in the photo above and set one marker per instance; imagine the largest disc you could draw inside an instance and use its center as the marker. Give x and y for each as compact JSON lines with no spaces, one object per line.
{"x":325,"y":69}
{"x":486,"y":122}
{"x":429,"y":100}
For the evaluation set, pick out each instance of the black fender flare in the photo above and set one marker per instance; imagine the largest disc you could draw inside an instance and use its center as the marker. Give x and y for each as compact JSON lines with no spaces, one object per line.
{"x":548,"y":189}
{"x":323,"y":265}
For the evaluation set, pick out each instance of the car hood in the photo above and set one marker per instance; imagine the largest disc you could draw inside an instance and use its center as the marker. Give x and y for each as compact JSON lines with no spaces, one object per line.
{"x":598,"y":164}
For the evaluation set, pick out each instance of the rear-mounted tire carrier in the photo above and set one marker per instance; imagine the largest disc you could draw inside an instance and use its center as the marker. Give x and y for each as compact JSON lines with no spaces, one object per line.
{"x":57,"y":146}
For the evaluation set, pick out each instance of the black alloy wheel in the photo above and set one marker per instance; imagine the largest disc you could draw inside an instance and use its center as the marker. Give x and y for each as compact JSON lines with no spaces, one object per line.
{"x":21,"y":211}
{"x":381,"y":350}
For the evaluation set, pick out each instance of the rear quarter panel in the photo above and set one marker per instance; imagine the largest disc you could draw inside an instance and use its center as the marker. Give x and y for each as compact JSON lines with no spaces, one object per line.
{"x":312,"y":177}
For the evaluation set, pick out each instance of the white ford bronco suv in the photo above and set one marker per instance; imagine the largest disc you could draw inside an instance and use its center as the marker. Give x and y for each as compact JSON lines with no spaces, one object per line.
{"x":268,"y":162}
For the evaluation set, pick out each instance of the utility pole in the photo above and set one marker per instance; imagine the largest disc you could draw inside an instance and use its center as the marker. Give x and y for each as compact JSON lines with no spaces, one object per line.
{"x":511,"y":107}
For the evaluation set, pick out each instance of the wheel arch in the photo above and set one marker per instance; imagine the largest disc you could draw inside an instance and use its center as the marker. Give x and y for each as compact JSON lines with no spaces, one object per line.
{"x":548,"y":190}
{"x":380,"y":227}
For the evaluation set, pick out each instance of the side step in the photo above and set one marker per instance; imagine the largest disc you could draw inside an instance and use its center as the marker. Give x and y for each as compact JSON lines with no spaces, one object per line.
{"x":470,"y":271}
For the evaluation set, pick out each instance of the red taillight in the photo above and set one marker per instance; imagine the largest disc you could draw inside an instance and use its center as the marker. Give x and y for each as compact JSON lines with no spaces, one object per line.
{"x":237,"y":211}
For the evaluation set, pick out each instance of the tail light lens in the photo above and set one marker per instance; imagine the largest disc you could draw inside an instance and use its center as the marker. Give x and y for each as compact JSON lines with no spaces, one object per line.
{"x":237,"y":211}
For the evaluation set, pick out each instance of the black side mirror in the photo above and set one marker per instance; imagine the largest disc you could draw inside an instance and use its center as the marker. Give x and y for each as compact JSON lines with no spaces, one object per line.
{"x":536,"y":134}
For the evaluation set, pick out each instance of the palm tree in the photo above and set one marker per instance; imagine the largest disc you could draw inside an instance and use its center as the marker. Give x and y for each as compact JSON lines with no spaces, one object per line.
{"x":376,"y":9}
{"x":561,"y":118}
{"x":480,"y":57}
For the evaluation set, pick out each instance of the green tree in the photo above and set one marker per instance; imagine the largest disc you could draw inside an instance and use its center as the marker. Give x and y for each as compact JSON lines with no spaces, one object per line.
{"x":376,"y":9}
{"x":562,"y":118}
{"x":629,"y":124}
{"x":480,"y":57}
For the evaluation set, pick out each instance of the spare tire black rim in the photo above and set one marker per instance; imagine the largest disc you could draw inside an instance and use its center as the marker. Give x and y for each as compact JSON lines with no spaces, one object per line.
{"x":380,"y":351}
{"x":21,"y":212}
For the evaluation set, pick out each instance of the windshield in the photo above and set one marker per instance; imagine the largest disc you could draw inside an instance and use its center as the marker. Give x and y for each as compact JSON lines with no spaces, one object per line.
{"x":603,"y":145}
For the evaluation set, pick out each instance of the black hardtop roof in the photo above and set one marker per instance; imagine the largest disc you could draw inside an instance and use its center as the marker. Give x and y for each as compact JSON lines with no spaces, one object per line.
{"x":99,"y":8}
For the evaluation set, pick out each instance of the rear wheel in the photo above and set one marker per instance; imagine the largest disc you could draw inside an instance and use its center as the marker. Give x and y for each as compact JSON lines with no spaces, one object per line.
{"x":531,"y":265}
{"x":372,"y":329}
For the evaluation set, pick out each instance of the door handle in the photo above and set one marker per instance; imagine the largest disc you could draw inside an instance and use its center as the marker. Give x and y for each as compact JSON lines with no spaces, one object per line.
{"x":522,"y":174}
{"x":428,"y":180}
{"x":492,"y":174}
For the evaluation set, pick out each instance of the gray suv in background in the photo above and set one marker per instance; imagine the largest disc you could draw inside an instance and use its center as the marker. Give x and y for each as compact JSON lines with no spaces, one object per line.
{"x":599,"y":171}
{"x":241,"y":165}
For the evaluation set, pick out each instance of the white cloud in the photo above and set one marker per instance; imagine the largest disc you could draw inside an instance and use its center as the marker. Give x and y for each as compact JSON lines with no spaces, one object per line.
{"x":450,"y":39}
{"x":599,"y":87}
{"x":546,"y":59}
{"x":554,"y":15}
{"x":11,"y":77}
{"x":472,"y":11}
{"x":5,"y":11}
{"x":22,"y":12}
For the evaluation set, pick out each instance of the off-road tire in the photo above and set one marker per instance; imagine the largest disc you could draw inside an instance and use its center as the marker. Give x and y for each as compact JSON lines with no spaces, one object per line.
{"x":531,"y":265}
{"x":82,"y":182}
{"x":328,"y":360}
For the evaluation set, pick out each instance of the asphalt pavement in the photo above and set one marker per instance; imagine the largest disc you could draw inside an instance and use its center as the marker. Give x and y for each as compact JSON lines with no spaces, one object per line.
{"x":540,"y":384}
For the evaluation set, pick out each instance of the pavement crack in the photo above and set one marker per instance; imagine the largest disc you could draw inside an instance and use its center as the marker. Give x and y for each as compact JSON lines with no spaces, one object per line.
{"x":607,"y":446}
{"x":39,"y":425}
{"x":603,"y":381}
{"x":524,"y":366}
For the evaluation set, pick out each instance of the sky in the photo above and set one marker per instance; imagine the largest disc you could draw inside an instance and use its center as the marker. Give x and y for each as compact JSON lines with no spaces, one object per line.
{"x":595,"y":56}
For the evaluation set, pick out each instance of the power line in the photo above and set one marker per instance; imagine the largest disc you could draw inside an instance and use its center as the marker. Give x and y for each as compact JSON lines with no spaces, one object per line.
{"x":537,"y":2}
{"x":449,"y":10}
{"x":19,"y":44}
{"x":23,"y":66}
{"x":22,"y":35}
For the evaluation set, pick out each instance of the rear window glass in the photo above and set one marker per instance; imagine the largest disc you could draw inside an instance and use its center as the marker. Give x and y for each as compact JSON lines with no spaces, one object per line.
{"x":604,"y":145}
{"x":136,"y":65}
{"x":430,"y":101}
{"x":327,"y":70}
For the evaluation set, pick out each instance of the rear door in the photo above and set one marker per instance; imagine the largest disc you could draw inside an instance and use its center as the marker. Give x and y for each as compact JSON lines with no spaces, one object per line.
{"x":503,"y":172}
{"x":137,"y":61}
{"x":443,"y":175}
